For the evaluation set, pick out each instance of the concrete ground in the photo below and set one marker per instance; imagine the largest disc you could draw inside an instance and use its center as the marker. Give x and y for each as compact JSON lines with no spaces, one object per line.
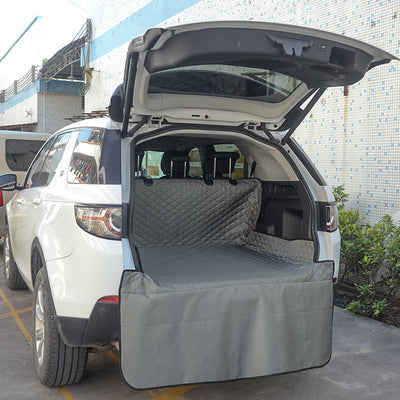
{"x":365,"y":364}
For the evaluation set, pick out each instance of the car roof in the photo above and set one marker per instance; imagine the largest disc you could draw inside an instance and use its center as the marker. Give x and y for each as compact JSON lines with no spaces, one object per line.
{"x":99,"y":123}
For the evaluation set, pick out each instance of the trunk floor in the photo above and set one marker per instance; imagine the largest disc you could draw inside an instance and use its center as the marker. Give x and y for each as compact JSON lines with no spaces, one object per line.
{"x":212,"y":264}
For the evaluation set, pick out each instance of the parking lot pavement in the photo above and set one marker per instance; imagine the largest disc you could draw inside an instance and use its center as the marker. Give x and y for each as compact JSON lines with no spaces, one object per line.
{"x":365,"y":364}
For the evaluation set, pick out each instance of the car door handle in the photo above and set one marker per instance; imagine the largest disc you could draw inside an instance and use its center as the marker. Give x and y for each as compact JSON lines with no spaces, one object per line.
{"x":37,"y":201}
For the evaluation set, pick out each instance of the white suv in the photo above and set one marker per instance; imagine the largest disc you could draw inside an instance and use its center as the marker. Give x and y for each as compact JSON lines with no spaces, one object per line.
{"x":191,"y":230}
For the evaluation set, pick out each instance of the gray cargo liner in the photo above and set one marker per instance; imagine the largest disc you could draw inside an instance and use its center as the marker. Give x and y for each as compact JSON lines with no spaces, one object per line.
{"x":232,"y":304}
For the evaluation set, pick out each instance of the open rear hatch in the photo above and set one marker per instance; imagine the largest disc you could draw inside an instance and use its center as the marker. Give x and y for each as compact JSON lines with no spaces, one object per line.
{"x":208,"y":307}
{"x":236,"y":72}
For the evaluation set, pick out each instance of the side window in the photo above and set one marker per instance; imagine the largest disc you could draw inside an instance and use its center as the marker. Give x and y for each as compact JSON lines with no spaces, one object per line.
{"x":45,"y":166}
{"x":96,"y":158}
{"x":196,"y":170}
{"x":37,"y":165}
{"x":21,"y":152}
{"x":151,"y":164}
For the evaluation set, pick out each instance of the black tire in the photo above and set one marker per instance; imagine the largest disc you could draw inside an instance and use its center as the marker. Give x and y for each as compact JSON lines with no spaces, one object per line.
{"x":56,"y":363}
{"x":12,"y":276}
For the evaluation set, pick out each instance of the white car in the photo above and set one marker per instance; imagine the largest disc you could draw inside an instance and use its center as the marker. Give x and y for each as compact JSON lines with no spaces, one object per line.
{"x":190,"y":230}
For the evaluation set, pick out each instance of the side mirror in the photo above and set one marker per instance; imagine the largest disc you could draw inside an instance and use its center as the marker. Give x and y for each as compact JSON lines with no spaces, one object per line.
{"x":8,"y":182}
{"x":116,"y":107}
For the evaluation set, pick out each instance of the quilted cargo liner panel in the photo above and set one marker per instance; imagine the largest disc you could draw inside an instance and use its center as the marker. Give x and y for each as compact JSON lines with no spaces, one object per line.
{"x":221,"y":333}
{"x":186,"y":321}
{"x":208,"y":265}
{"x":182,"y":211}
{"x":218,"y":301}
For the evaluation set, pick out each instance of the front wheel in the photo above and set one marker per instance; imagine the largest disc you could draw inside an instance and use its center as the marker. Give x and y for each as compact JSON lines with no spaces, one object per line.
{"x":12,"y":276}
{"x":57,"y":364}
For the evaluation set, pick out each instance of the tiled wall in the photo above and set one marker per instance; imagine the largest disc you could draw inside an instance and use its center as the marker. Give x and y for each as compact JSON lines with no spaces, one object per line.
{"x":354,"y":139}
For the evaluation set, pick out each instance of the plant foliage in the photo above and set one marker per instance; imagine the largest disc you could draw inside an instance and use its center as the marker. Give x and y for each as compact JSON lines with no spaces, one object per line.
{"x":370,"y":256}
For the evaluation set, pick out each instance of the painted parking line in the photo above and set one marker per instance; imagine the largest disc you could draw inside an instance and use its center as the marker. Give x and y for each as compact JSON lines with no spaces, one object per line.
{"x":114,"y":356}
{"x":164,"y":394}
{"x":16,"y":317}
{"x":160,"y":394}
{"x":22,"y":311}
{"x":15,"y":314}
{"x":171,"y":394}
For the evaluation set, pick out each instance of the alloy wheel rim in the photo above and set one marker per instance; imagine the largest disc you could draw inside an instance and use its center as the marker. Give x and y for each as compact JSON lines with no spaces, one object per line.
{"x":39,"y":326}
{"x":7,"y":257}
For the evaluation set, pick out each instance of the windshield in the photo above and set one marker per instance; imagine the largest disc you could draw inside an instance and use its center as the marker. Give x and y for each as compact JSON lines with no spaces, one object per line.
{"x":226,"y":81}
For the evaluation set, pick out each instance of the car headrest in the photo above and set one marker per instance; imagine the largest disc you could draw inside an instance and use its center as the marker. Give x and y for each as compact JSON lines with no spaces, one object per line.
{"x":175,"y":164}
{"x":219,"y":163}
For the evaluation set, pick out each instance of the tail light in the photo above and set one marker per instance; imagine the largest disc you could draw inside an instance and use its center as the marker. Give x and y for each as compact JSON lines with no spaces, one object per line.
{"x":328,"y":217}
{"x":1,"y":199}
{"x":109,"y":299}
{"x":332,"y":218}
{"x":102,"y":221}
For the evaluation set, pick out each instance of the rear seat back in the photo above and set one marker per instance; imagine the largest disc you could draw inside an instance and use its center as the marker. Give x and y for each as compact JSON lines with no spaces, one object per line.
{"x":175,"y":212}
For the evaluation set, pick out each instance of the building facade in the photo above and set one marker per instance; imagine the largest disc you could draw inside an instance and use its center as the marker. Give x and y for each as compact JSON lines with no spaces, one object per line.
{"x":29,"y":99}
{"x":42,"y":106}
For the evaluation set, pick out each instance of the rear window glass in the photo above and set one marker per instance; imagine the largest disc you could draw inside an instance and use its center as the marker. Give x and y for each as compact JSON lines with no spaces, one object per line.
{"x":96,"y":158}
{"x":20,"y":153}
{"x":160,"y":164}
{"x":225,"y":80}
{"x":153,"y":166}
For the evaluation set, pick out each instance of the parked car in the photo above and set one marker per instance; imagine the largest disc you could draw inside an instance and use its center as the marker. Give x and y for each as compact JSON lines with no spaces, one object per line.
{"x":190,"y":230}
{"x":17,"y":150}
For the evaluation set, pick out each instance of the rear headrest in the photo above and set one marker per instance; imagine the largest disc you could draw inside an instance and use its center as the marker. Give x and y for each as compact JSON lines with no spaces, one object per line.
{"x":219,"y":163}
{"x":175,"y":164}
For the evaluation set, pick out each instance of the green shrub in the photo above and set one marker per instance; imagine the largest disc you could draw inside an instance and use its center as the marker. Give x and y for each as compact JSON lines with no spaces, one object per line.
{"x":371,"y":255}
{"x":352,"y":231}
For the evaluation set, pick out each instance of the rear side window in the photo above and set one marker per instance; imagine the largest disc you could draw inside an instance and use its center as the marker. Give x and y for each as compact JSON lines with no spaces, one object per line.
{"x":20,"y":153}
{"x":45,"y":166}
{"x":96,"y":158}
{"x":151,"y":164}
{"x":196,"y":169}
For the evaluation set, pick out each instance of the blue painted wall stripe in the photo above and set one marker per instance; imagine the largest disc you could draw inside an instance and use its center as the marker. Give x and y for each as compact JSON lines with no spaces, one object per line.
{"x":21,"y":96}
{"x":39,"y":86}
{"x":147,"y":17}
